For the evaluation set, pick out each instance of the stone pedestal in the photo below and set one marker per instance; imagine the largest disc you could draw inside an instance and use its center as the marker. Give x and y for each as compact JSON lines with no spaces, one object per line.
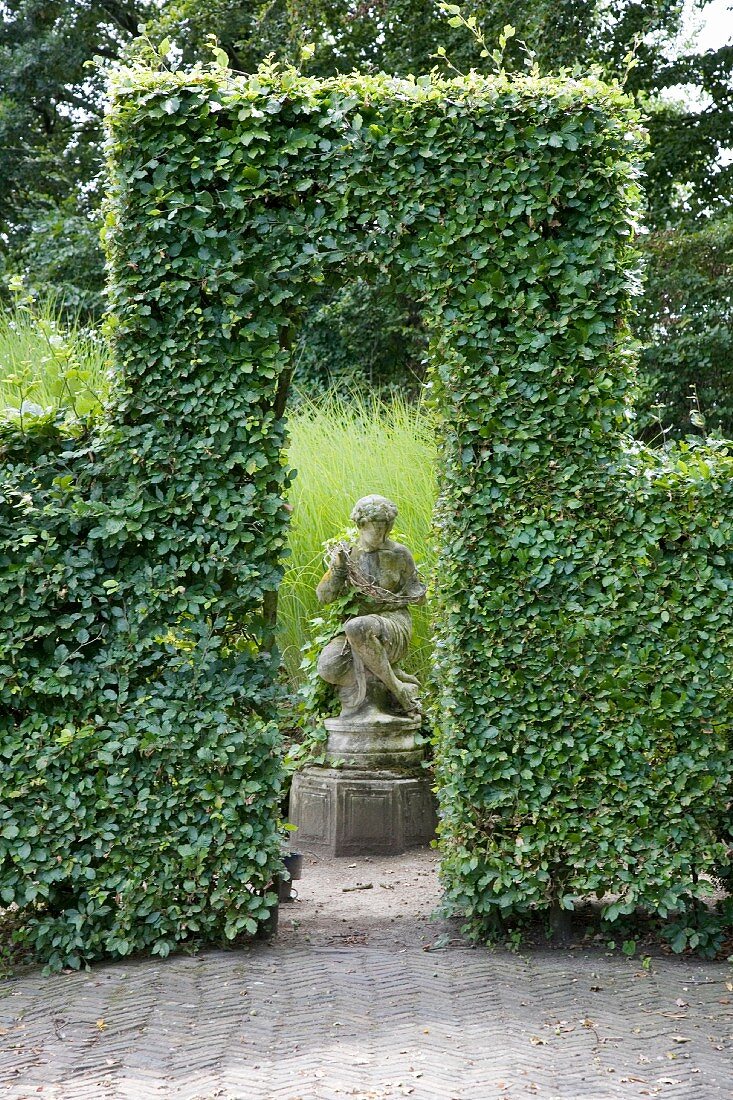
{"x":375,"y":799}
{"x":349,"y":812}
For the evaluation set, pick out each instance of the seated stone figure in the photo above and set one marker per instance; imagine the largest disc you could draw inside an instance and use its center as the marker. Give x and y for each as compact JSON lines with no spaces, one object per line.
{"x":362,"y":662}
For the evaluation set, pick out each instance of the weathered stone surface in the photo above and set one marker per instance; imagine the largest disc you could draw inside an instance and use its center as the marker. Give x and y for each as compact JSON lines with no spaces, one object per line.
{"x":376,"y":799}
{"x":383,"y":1018}
{"x":385,"y":742}
{"x":362,"y":662}
{"x":358,"y":812}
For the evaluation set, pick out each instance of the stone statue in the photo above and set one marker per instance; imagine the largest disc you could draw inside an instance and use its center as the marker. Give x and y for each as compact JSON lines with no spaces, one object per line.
{"x":370,"y":794}
{"x":363,"y":661}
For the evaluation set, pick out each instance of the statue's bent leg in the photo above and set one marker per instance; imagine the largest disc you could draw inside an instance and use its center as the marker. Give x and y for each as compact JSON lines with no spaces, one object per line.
{"x":365,"y":636}
{"x":335,"y":664}
{"x":339,"y":665}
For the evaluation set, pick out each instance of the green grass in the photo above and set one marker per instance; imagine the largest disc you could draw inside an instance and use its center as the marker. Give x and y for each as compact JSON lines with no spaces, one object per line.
{"x":342,"y":450}
{"x":47,"y":364}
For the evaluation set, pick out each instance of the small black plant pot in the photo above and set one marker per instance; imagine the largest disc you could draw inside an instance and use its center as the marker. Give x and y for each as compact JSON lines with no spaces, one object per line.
{"x":294,"y":866}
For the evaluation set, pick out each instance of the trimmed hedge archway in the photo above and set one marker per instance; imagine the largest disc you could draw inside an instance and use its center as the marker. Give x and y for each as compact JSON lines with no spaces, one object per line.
{"x":584,"y":596}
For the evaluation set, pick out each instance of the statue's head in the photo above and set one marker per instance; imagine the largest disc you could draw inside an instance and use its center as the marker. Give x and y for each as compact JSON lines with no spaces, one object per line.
{"x":374,"y":509}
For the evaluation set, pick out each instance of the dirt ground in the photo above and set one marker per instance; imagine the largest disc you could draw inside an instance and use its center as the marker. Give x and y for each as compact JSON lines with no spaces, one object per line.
{"x":394,"y":901}
{"x":368,"y":900}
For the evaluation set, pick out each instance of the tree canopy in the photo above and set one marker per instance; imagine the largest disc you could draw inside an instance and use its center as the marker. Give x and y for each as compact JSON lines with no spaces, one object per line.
{"x":51,"y":104}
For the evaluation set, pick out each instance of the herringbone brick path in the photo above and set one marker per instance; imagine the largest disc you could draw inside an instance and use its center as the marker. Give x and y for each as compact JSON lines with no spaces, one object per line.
{"x":367,"y":1012}
{"x":332,"y":1023}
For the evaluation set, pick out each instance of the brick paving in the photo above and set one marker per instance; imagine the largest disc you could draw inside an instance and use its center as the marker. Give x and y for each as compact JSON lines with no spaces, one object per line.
{"x":422,"y":1015}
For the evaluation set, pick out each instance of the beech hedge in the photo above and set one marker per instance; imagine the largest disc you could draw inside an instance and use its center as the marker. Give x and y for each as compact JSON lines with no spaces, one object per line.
{"x":584,"y":593}
{"x":138,"y":786}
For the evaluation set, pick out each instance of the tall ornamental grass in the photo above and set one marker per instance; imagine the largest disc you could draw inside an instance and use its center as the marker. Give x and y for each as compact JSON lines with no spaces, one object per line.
{"x":342,"y":450}
{"x":49,"y":364}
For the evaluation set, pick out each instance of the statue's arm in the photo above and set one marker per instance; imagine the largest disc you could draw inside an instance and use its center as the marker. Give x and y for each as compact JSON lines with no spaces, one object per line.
{"x":335,"y":580}
{"x":412,"y":586}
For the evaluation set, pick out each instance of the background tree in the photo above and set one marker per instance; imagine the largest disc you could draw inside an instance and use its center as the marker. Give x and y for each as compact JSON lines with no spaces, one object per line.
{"x":686,"y":327}
{"x":50,"y":137}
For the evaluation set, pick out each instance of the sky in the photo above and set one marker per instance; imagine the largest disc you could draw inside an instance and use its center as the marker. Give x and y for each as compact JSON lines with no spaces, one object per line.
{"x":708,"y":29}
{"x":716,"y":21}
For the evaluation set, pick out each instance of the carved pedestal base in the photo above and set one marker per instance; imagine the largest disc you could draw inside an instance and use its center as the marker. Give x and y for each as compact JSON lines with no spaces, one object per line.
{"x":352,"y":812}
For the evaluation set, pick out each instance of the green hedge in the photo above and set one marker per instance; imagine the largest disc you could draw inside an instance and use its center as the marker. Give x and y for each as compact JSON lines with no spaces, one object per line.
{"x":140,"y":782}
{"x":138,"y":785}
{"x":583,"y":613}
{"x":584,"y":649}
{"x":586,"y":666}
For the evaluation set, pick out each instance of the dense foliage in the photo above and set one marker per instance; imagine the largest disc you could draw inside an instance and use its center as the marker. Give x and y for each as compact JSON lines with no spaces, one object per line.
{"x":593,"y":623}
{"x":584,"y":645}
{"x":585,"y":592}
{"x":140,"y":778}
{"x":138,"y":789}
